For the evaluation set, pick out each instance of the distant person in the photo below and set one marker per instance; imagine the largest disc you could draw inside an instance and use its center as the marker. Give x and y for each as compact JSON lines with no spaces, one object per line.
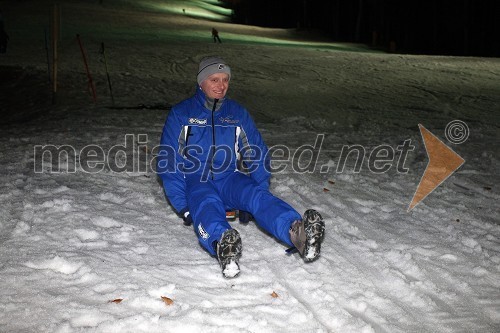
{"x":215,"y":35}
{"x":201,"y":183}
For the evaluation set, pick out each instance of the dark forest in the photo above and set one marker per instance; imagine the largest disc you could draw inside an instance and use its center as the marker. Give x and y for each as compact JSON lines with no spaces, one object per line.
{"x":448,"y":27}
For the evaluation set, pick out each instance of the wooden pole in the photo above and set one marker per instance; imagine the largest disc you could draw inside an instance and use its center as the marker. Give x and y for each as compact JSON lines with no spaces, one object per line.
{"x":55,"y":37}
{"x":47,"y":52}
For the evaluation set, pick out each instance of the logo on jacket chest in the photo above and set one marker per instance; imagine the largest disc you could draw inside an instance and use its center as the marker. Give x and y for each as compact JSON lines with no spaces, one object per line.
{"x":228,"y":120}
{"x":197,"y":121}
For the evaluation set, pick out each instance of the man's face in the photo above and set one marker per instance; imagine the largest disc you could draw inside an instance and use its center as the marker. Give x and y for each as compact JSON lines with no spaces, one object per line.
{"x":216,"y":85}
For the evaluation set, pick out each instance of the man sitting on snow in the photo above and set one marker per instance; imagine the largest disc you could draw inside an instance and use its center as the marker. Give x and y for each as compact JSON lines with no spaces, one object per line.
{"x":212,"y":158}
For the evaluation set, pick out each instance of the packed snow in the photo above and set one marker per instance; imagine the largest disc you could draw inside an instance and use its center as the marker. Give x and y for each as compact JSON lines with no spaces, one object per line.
{"x":86,"y":246}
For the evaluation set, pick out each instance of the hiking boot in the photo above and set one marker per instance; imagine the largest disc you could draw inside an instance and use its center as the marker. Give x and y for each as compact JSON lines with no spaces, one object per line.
{"x":229,"y":252}
{"x":307,"y":235}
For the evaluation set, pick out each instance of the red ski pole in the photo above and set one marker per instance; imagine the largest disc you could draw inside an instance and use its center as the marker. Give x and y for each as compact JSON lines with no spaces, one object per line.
{"x":91,"y":82}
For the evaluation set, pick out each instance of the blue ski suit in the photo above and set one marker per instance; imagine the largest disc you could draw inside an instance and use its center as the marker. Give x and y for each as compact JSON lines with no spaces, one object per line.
{"x":200,"y":162}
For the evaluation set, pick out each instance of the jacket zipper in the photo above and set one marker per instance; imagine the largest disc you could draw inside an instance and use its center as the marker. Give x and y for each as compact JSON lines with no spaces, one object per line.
{"x":213,"y":140}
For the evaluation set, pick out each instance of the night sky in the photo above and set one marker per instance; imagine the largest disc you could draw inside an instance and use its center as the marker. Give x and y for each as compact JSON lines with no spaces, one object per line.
{"x":448,"y":27}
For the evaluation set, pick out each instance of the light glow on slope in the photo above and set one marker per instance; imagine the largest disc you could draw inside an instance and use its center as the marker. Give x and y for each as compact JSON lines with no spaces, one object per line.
{"x":208,"y":10}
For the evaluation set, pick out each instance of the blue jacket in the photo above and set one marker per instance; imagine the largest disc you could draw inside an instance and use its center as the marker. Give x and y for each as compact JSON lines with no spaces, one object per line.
{"x":189,"y":136}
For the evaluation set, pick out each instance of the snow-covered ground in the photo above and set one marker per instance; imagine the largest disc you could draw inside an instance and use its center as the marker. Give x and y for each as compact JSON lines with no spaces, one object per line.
{"x":72,"y":242}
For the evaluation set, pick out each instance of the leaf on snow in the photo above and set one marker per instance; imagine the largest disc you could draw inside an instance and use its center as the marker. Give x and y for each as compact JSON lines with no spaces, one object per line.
{"x":167,"y":300}
{"x":326,"y":190}
{"x":116,"y":300}
{"x":274,"y":295}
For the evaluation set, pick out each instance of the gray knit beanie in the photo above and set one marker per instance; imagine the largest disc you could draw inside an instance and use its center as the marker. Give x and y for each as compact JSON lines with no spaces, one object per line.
{"x":212,"y":65}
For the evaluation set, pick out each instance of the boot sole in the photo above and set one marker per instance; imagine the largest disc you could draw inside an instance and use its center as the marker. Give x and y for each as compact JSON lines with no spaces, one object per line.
{"x":231,"y":268}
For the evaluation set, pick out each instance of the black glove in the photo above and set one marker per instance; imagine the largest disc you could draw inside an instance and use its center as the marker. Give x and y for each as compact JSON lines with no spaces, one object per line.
{"x":244,"y":217}
{"x":186,"y":217}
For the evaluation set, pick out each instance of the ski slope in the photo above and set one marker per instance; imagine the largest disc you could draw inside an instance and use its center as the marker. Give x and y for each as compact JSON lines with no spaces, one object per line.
{"x":95,"y":251}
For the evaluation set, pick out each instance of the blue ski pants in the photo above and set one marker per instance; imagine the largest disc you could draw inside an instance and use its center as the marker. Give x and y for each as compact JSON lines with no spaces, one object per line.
{"x":207,"y":202}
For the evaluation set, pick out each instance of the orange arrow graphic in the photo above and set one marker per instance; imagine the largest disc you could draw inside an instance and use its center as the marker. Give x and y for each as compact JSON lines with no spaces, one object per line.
{"x":443,"y":162}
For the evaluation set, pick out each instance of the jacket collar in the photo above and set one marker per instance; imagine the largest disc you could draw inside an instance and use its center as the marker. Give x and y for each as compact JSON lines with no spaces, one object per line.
{"x":206,"y":101}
